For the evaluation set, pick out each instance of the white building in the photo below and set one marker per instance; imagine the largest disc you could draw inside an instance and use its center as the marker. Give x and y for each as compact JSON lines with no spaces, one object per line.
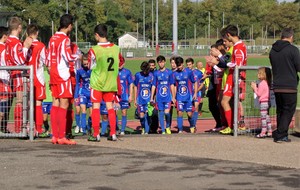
{"x":132,"y":40}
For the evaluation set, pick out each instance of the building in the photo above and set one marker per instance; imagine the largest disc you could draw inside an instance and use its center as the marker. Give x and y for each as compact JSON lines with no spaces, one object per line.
{"x":132,"y":40}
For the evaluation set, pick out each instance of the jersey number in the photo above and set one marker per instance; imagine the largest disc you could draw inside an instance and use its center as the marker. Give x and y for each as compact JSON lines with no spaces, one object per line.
{"x":111,"y":62}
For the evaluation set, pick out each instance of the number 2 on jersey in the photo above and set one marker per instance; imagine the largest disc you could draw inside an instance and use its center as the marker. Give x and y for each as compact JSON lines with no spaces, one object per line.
{"x":111,"y":62}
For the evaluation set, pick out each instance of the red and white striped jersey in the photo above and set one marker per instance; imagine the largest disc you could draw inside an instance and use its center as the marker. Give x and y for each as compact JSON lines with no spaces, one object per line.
{"x":36,"y":56}
{"x":59,"y":57}
{"x":4,"y":75}
{"x":15,"y":52}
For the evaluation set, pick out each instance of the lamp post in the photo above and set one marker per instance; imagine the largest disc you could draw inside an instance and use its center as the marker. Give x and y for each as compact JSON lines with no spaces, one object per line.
{"x":67,"y":7}
{"x":175,"y":28}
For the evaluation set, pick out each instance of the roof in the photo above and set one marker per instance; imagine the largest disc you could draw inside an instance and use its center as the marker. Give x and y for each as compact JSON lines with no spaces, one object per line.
{"x":133,"y":34}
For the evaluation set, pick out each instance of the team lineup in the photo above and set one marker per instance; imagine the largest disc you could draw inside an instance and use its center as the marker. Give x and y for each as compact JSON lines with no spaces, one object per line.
{"x":98,"y":82}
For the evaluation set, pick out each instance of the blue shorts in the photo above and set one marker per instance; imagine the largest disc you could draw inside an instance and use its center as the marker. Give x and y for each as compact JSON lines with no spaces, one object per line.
{"x":184,"y":106}
{"x":142,"y":108}
{"x":103,"y":110}
{"x":161,"y":106}
{"x":86,"y":101}
{"x":4,"y":106}
{"x":124,"y":105}
{"x":47,"y":107}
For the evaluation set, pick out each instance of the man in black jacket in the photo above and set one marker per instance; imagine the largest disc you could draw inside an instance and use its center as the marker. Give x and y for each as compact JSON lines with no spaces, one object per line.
{"x":285,"y":61}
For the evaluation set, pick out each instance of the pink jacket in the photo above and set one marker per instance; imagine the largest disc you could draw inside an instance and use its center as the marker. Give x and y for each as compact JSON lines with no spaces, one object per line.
{"x":262,"y":91}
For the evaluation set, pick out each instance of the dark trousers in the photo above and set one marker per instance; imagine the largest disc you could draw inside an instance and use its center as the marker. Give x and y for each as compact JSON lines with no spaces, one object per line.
{"x":213,"y":106}
{"x":285,"y":109}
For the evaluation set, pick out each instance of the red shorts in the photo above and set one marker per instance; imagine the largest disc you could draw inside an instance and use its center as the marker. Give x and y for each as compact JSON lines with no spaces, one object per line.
{"x":228,"y":86}
{"x":40,"y":92}
{"x":97,"y":96}
{"x":17,"y":84}
{"x":5,"y":90}
{"x":62,"y":90}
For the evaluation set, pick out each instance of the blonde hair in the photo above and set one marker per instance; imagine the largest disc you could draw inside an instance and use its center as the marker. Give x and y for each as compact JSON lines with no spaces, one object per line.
{"x":14,"y":23}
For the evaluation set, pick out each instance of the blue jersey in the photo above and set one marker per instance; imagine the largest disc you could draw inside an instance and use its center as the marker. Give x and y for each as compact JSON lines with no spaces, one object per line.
{"x":162,"y":81}
{"x":143,"y":84}
{"x":83,"y":83}
{"x":199,"y":75}
{"x":184,"y":84}
{"x":126,"y":80}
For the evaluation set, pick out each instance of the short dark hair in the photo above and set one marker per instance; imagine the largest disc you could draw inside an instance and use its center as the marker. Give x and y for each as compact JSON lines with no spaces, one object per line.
{"x":231,"y":29}
{"x":151,"y":61}
{"x":32,"y":29}
{"x":145,"y":67}
{"x":172,"y":58}
{"x":179,"y":61}
{"x":189,"y":60}
{"x":101,"y":30}
{"x":287,"y":33}
{"x":65,"y":21}
{"x":85,"y":56}
{"x":220,"y":42}
{"x":160,"y":58}
{"x":3,"y":31}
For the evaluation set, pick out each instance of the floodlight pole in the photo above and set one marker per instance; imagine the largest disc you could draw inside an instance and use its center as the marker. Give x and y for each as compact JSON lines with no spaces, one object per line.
{"x":144,"y":28}
{"x":175,"y":28}
{"x":156,"y":29}
{"x":67,"y":7}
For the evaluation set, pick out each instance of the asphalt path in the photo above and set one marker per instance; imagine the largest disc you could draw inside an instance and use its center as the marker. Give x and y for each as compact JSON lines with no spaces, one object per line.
{"x":152,"y":162}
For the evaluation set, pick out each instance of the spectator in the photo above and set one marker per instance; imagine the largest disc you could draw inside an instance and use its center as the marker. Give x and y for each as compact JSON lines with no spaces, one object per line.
{"x":285,"y":61}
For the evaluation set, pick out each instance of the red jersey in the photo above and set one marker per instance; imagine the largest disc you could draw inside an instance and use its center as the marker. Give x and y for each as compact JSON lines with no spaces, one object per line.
{"x":239,"y":55}
{"x":36,"y":56}
{"x":4,"y":75}
{"x":59,"y":57}
{"x":74,"y":65}
{"x":15,"y":52}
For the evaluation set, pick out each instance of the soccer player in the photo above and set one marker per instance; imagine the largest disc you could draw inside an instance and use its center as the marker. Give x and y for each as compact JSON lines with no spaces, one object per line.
{"x":239,"y":58}
{"x":16,"y":53}
{"x":105,"y":59}
{"x":142,"y":90}
{"x":59,"y":56}
{"x":197,"y":101}
{"x":47,"y":105}
{"x":126,"y":81}
{"x":184,"y":81}
{"x":5,"y":90}
{"x":83,"y":91}
{"x":36,"y":57}
{"x":163,"y":84}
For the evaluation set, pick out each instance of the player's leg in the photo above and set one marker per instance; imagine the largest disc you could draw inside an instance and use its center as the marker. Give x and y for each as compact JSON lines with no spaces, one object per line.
{"x":83,"y":117}
{"x":124,"y":108}
{"x":179,"y":106}
{"x":77,"y":115}
{"x":96,"y":98}
{"x":168,"y":117}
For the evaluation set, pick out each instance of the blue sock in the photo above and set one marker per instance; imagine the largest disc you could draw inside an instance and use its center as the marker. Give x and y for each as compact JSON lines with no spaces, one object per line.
{"x":180,"y":123}
{"x":104,"y":127}
{"x":142,"y":120}
{"x":161,"y":120}
{"x":89,"y":125}
{"x":191,"y":121}
{"x":124,"y":123}
{"x":77,"y":119}
{"x":83,"y":122}
{"x":146,"y":125}
{"x":195,"y":118}
{"x":168,"y":119}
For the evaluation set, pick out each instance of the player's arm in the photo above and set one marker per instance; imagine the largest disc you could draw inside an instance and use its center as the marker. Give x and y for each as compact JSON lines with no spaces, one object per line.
{"x":130,"y":82}
{"x":77,"y":86}
{"x":153,"y":88}
{"x":43,"y":57}
{"x":91,"y":59}
{"x":194,"y":79}
{"x":19,"y":53}
{"x":67,"y":51}
{"x":173,"y":88}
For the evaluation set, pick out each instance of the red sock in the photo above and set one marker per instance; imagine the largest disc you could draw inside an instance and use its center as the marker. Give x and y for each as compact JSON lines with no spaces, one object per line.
{"x":69,"y":121}
{"x":39,"y":118}
{"x":62,"y":122}
{"x":18,"y":117}
{"x":112,"y":121}
{"x":96,"y":121}
{"x":228,"y":115}
{"x":54,"y":120}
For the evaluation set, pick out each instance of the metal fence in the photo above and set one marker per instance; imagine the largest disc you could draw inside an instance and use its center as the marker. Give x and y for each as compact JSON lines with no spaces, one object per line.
{"x":250,"y":105}
{"x":8,"y":102}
